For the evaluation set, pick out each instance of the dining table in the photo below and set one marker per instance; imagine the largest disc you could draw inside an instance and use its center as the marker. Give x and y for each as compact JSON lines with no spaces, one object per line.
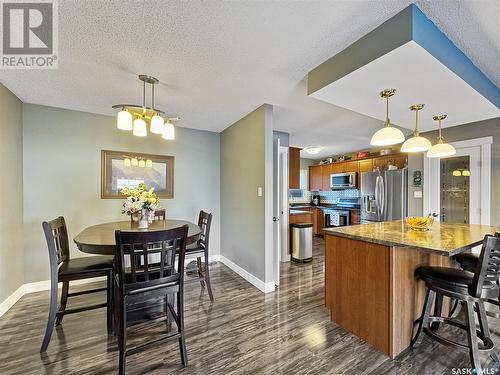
{"x":100,"y":240}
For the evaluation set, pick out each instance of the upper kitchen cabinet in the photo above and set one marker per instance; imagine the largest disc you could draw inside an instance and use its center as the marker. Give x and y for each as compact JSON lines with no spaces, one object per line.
{"x":349,"y":166}
{"x":316,"y":177}
{"x":382,"y":163}
{"x":294,"y":168}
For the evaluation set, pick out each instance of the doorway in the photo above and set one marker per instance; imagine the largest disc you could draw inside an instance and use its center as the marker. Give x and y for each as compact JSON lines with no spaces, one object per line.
{"x":458,"y":187}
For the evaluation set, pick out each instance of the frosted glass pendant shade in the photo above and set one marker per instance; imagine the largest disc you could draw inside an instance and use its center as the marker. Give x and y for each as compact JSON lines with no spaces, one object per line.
{"x":149,"y":163}
{"x":134,"y":162}
{"x":387,"y":136}
{"x":124,"y":120}
{"x":157,"y":124}
{"x":140,"y":128}
{"x":168,"y":131}
{"x":416,"y":144}
{"x":440,"y":150}
{"x":142,"y":163}
{"x":127,"y":162}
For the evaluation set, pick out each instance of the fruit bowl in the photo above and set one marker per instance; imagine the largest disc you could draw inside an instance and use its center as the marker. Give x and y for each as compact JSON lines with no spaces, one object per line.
{"x":420,"y":223}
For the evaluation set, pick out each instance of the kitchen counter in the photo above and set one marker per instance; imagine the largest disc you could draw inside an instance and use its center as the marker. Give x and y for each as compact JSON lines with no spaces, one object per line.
{"x":298,"y":212}
{"x":370,"y":284}
{"x":443,"y":239}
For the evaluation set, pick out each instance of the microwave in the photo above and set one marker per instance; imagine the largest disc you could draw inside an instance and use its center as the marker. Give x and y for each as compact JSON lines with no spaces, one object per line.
{"x":343,"y":180}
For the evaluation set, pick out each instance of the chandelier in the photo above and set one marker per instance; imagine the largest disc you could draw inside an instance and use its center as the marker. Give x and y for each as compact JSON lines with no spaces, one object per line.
{"x":135,"y":118}
{"x":388,"y":135}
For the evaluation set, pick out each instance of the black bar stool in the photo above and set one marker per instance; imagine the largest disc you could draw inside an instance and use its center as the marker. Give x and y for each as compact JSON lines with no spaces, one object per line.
{"x":63,"y":269}
{"x":471,"y":290}
{"x":143,"y":283}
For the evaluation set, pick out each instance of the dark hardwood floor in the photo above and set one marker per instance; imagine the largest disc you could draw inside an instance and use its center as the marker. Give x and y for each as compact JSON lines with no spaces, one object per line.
{"x":242,"y":332}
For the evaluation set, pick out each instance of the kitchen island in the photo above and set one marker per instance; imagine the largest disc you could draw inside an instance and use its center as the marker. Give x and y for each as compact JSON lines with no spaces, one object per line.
{"x":370,"y":287}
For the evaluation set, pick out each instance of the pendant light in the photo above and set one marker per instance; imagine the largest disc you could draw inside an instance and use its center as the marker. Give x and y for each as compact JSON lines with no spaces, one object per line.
{"x":441,"y":148}
{"x":388,"y":135}
{"x":169,"y":130}
{"x":137,"y":117}
{"x":416,"y":143}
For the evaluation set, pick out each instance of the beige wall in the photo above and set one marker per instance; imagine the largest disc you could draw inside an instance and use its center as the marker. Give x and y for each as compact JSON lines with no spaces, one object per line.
{"x":11,"y":193}
{"x":477,"y":130}
{"x":246,"y":159}
{"x":62,"y":151}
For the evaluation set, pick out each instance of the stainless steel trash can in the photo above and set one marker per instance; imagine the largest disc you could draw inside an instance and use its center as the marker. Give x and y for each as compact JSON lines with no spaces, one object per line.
{"x":301,"y":236}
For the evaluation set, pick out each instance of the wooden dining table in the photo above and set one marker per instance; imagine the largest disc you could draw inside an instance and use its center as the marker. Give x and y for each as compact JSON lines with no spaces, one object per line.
{"x":100,"y":239}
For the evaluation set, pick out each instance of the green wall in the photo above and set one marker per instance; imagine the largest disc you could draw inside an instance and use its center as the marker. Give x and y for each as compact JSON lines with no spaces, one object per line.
{"x":11,"y":194}
{"x":62,"y":174}
{"x":246,"y":159}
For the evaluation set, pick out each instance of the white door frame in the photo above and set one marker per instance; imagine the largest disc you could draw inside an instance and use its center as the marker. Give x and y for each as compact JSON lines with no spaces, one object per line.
{"x":431,"y":175}
{"x":284,"y":251}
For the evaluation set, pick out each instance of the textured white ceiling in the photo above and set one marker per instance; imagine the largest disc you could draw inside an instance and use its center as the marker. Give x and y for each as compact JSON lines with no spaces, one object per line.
{"x":217,"y":61}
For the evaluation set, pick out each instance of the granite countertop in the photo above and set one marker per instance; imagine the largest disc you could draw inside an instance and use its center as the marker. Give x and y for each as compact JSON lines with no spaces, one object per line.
{"x":442,"y":238}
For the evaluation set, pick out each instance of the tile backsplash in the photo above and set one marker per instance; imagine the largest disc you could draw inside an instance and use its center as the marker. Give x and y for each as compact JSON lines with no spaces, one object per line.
{"x":327,"y":197}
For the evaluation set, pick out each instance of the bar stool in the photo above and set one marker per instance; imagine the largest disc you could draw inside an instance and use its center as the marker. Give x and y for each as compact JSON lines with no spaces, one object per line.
{"x":472,"y":290}
{"x":469,"y":262}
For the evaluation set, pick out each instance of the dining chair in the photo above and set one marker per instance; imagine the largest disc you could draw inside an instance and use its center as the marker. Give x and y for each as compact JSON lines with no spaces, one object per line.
{"x":160,"y":215}
{"x":63,"y":269}
{"x":201,"y":247}
{"x":472,"y":290}
{"x":143,"y":283}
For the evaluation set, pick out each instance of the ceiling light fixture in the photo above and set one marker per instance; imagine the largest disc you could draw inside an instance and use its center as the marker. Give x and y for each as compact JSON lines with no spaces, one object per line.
{"x":388,"y":135}
{"x":416,"y":143}
{"x":441,"y":148}
{"x":136,"y":117}
{"x":313,"y":150}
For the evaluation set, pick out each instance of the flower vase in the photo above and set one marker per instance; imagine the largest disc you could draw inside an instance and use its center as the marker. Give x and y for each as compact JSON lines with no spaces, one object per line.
{"x":144,"y":219}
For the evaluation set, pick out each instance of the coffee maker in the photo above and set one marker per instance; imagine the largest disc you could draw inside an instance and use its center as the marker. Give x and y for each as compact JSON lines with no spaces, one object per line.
{"x":315,"y":200}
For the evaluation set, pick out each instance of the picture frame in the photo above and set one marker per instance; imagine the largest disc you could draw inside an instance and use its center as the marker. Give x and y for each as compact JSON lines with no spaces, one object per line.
{"x":154,"y":170}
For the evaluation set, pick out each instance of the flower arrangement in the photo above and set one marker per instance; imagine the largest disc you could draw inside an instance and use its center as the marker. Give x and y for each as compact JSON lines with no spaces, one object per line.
{"x":140,"y":200}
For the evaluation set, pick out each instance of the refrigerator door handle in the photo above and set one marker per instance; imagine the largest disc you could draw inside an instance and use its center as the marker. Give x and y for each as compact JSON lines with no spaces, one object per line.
{"x":377,"y":203}
{"x":382,"y":198}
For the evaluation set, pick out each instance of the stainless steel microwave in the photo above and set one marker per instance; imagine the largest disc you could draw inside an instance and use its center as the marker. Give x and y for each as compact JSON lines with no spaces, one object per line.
{"x":343,"y":180}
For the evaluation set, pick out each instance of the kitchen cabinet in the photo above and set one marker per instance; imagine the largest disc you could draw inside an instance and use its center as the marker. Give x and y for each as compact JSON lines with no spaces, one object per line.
{"x":355,"y":217}
{"x":320,"y":221}
{"x":382,"y":163}
{"x":349,"y":166}
{"x":294,"y":168}
{"x":316,"y":177}
{"x":364,"y":166}
{"x":327,"y":171}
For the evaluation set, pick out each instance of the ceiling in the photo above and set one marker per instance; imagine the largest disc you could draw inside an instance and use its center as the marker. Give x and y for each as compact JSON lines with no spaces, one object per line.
{"x":217,"y":61}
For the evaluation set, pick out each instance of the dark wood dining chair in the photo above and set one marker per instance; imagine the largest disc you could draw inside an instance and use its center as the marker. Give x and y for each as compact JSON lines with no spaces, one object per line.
{"x":160,"y":215}
{"x":143,"y":283}
{"x":63,"y":269}
{"x":472,"y":290}
{"x":201,"y":247}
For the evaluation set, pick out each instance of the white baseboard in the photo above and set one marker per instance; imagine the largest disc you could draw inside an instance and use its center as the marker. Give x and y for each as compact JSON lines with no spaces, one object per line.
{"x":37,"y":286}
{"x":40,"y":286}
{"x":254,"y":280}
{"x":11,"y":300}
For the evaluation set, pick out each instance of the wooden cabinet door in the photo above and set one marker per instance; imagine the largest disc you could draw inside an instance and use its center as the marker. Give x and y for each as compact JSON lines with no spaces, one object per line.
{"x":381,"y":163}
{"x":400,"y":161}
{"x":327,"y":171}
{"x":363,"y":166}
{"x":349,"y":166}
{"x":354,"y":217}
{"x":294,"y":168}
{"x":316,"y":177}
{"x":320,"y":220}
{"x":336,"y":168}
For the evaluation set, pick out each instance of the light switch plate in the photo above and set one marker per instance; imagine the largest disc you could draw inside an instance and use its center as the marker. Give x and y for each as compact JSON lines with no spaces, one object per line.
{"x":417,"y":194}
{"x":259,"y":191}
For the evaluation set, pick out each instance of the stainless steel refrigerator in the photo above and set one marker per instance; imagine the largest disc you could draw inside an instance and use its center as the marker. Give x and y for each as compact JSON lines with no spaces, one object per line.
{"x":384,"y":195}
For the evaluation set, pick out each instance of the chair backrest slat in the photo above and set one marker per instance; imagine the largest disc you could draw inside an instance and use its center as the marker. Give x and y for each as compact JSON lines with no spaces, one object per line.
{"x":56,"y":236}
{"x":488,"y":268}
{"x":140,"y":245}
{"x":204,"y":222}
